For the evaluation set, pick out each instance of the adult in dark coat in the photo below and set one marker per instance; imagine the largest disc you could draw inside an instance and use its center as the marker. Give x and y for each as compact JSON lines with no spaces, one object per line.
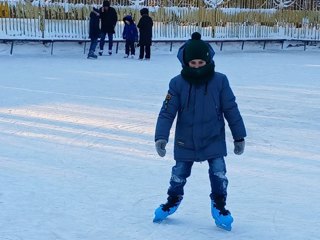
{"x":109,"y":20}
{"x":94,"y":31}
{"x":202,"y":99}
{"x":145,"y":34}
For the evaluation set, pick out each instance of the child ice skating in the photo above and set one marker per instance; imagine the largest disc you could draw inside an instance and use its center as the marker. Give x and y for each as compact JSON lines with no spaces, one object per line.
{"x":201,"y":98}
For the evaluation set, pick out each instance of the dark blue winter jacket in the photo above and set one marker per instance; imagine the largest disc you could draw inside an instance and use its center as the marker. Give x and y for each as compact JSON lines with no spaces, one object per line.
{"x":130,"y":31}
{"x":94,"y":29}
{"x":200,"y":127}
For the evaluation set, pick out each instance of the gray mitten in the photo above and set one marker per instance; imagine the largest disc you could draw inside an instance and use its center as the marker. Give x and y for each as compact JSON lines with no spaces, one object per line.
{"x":161,"y":147}
{"x":239,"y":146}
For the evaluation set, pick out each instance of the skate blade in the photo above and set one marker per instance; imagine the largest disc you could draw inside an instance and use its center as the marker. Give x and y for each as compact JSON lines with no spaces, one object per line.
{"x":158,"y":220}
{"x":224,"y":227}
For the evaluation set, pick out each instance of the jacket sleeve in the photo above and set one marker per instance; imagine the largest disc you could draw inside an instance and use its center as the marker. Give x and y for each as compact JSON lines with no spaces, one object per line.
{"x":139,"y":24}
{"x":91,"y":25}
{"x":115,"y":17}
{"x":168,"y":112}
{"x":231,"y":112}
{"x":142,"y":23}
{"x":124,"y":32}
{"x":135,"y":32}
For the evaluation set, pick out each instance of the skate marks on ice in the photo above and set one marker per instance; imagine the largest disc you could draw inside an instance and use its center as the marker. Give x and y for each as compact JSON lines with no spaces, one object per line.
{"x":104,"y":129}
{"x":10,"y":237}
{"x":279,"y":115}
{"x":116,"y":100}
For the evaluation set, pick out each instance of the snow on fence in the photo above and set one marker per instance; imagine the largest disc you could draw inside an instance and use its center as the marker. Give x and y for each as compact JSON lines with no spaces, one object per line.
{"x":78,"y":29}
{"x":237,"y":19}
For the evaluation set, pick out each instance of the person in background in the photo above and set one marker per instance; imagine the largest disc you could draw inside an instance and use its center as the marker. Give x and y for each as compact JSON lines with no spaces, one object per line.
{"x":202,"y":98}
{"x":109,"y":20}
{"x":130,"y":34}
{"x":94,"y":32}
{"x":145,"y":34}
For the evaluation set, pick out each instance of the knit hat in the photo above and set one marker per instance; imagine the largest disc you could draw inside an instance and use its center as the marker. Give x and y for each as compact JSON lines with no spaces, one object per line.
{"x":106,"y":3}
{"x":144,"y":11}
{"x":196,"y":49}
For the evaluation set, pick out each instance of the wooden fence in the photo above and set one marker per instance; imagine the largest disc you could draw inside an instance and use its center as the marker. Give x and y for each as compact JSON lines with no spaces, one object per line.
{"x":175,"y":19}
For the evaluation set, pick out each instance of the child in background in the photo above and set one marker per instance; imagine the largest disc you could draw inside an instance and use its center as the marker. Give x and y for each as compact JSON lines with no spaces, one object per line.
{"x":94,"y":32}
{"x":130,"y":34}
{"x":202,"y":98}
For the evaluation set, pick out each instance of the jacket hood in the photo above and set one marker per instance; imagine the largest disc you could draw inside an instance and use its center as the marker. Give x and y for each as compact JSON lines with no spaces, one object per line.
{"x":95,"y":10}
{"x":181,"y":50}
{"x":128,"y":18}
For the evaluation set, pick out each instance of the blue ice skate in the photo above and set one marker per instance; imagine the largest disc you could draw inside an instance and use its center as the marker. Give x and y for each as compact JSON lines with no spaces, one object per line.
{"x":167,"y":209}
{"x":222,"y":217}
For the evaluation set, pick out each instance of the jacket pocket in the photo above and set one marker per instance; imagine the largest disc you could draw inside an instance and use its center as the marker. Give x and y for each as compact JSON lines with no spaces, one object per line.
{"x":183,"y":136}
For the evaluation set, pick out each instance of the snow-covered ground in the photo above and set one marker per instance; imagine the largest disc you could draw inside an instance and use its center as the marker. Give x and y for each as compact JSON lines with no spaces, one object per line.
{"x":77,"y":158}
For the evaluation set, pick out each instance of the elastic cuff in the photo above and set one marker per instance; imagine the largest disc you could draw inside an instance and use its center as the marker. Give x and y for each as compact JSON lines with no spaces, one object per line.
{"x":239,"y":140}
